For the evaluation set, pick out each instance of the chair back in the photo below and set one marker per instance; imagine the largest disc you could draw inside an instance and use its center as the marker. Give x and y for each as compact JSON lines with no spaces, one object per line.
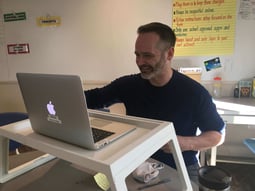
{"x":11,"y":117}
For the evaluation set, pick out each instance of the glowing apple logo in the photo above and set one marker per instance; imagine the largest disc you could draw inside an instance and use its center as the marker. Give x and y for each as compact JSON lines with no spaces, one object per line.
{"x":50,"y":108}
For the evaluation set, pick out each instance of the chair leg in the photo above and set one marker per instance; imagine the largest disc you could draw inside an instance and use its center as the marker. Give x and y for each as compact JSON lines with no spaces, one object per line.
{"x":213,"y":156}
{"x":202,"y":158}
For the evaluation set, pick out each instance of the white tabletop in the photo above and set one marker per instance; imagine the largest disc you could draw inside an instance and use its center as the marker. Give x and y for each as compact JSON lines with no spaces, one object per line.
{"x":236,"y":110}
{"x":118,"y":159}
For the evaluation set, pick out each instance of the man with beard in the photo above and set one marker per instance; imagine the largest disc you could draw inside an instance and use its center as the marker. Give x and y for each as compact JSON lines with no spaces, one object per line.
{"x":159,"y":92}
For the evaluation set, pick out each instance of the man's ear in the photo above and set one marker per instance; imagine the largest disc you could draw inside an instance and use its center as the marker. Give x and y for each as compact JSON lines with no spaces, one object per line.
{"x":170,"y":53}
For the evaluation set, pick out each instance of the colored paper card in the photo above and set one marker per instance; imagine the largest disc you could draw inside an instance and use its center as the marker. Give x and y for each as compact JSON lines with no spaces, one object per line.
{"x":18,"y":48}
{"x":102,"y":181}
{"x":49,"y":21}
{"x":14,"y":17}
{"x":212,"y":64}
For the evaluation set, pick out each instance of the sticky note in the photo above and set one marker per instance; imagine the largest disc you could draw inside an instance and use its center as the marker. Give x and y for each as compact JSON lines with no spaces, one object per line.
{"x":102,"y":181}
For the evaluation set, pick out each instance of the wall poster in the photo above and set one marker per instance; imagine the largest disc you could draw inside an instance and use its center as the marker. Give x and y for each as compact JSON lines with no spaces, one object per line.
{"x":204,"y":27}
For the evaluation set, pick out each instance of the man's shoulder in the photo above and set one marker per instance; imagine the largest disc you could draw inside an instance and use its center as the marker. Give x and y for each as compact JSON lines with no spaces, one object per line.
{"x":190,"y":87}
{"x":127,"y":83}
{"x":131,"y":78}
{"x":187,"y":82}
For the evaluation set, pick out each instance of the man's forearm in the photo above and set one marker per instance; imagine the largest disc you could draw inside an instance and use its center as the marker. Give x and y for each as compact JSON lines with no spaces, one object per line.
{"x":204,"y":141}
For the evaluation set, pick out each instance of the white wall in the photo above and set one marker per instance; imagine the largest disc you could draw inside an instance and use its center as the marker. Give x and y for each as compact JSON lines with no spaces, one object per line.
{"x":96,"y":39}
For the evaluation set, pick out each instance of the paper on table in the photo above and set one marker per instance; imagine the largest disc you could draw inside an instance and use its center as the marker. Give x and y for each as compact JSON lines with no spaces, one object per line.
{"x":102,"y":181}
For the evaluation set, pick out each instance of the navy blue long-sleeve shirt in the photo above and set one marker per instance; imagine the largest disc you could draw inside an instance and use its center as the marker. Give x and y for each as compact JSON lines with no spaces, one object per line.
{"x":182,"y":101}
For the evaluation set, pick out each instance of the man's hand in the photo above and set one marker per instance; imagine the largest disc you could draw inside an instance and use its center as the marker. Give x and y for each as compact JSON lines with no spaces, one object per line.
{"x":166,"y":148}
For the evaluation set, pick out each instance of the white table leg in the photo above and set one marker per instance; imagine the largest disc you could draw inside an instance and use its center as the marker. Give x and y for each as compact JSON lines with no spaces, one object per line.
{"x":5,"y":173}
{"x":4,"y":157}
{"x":118,"y":184}
{"x":180,"y":165}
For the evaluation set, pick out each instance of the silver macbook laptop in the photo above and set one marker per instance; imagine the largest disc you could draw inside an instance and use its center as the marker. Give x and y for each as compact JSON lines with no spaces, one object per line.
{"x":57,"y":107}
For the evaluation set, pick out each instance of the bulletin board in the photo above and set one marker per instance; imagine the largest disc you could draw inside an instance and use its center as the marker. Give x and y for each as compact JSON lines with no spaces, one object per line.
{"x":204,"y":27}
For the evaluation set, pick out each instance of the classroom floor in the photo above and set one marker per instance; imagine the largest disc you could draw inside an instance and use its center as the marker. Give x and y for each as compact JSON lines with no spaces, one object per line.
{"x":242,"y":176}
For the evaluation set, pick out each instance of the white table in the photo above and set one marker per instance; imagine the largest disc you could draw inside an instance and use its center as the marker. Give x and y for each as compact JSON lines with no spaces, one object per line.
{"x":116,"y":161}
{"x":237,"y":110}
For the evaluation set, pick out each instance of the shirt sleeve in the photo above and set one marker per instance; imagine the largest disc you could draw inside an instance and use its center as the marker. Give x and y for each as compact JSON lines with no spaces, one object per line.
{"x":208,"y":118}
{"x":105,"y":96}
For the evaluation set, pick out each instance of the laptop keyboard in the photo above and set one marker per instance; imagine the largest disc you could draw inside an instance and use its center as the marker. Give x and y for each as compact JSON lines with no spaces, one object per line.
{"x":99,"y":134}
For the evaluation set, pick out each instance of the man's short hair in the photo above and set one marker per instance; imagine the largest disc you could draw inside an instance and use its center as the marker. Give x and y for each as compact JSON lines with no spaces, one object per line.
{"x":165,"y":33}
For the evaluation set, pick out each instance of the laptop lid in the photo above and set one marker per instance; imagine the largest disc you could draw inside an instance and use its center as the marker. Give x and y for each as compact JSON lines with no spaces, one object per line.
{"x":57,"y":107}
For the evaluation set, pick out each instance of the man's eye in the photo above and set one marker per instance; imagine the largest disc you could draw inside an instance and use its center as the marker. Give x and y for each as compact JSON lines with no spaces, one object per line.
{"x":137,"y":55}
{"x":144,"y":55}
{"x":148,"y":55}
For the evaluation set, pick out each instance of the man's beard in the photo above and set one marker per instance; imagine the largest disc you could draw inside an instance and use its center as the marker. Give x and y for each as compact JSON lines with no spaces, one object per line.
{"x":148,"y":72}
